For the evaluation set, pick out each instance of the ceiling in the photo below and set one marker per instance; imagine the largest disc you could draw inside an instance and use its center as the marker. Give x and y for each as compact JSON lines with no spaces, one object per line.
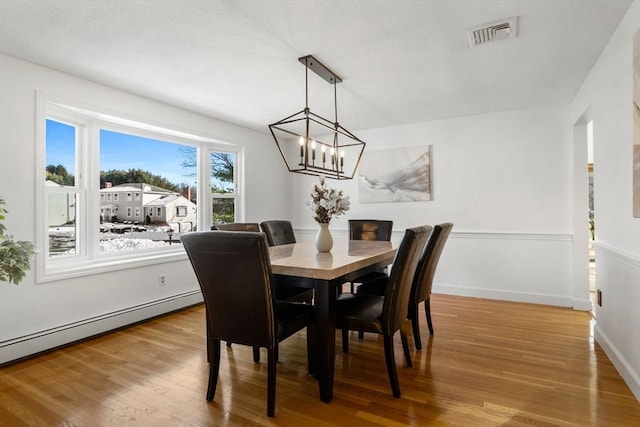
{"x":401,"y":61}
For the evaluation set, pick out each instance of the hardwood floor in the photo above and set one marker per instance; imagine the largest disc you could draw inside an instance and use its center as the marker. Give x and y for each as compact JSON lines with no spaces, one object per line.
{"x":490,"y":363}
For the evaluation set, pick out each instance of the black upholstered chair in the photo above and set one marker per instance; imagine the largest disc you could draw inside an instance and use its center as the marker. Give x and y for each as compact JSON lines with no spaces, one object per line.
{"x":237,"y":226}
{"x":386,"y":314}
{"x":282,"y":292}
{"x":279,"y":232}
{"x":234,"y":272}
{"x":422,"y":282}
{"x":285,"y":291}
{"x":370,"y":229}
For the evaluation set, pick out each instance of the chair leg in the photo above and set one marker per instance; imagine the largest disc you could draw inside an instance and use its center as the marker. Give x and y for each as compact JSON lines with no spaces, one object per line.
{"x":209,"y":339}
{"x":214,"y":369}
{"x":345,"y":340}
{"x":271,"y":381}
{"x":415,"y":325}
{"x":391,"y":365}
{"x":228,"y":343}
{"x":311,"y":350}
{"x":360,"y":335}
{"x":256,"y":354}
{"x":427,"y":310}
{"x":405,"y":344}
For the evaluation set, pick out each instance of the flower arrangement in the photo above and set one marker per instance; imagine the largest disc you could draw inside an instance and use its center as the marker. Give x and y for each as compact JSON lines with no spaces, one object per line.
{"x":327,"y":202}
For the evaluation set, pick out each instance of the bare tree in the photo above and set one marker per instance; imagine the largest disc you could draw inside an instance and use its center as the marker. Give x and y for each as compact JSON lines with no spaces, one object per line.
{"x":222,"y":168}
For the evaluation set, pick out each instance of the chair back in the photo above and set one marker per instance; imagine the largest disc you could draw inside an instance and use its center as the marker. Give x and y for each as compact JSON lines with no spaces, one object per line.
{"x":234,"y":272}
{"x":237,"y":226}
{"x":396,"y":298}
{"x":279,"y":232}
{"x":370,"y":229}
{"x":426,"y":269}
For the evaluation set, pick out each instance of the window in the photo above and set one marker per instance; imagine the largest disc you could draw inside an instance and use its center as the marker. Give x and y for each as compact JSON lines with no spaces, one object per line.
{"x":223,"y":187}
{"x":63,"y":193}
{"x":90,"y":159}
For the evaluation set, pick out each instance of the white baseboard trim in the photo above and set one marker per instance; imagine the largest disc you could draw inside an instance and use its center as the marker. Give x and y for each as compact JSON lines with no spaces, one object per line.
{"x":504,"y":295}
{"x":619,"y":362}
{"x":27,"y":345}
{"x":582,"y":304}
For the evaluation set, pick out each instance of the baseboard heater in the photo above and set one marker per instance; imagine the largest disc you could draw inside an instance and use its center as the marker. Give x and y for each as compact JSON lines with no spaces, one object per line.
{"x":52,"y":338}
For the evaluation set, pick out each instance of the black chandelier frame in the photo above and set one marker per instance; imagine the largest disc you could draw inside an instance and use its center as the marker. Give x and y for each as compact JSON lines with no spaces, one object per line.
{"x":320,"y":154}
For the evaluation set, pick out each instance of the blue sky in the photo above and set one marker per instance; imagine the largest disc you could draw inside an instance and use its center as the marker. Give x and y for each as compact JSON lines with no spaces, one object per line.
{"x":120,"y":151}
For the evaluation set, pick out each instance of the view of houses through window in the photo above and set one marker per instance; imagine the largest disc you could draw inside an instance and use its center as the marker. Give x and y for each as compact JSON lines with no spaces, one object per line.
{"x":148,"y":193}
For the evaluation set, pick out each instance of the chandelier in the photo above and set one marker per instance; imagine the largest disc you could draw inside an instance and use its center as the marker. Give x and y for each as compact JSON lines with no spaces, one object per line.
{"x":312,"y":145}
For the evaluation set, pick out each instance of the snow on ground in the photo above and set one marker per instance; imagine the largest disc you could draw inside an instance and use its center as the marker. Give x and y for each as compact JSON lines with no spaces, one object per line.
{"x":62,"y":241}
{"x":124,"y":244}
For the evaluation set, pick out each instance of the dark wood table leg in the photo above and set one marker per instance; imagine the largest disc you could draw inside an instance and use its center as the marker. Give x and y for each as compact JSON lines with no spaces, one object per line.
{"x":325,"y":300}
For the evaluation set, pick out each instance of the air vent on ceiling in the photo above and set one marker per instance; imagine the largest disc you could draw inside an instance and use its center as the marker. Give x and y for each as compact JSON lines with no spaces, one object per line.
{"x":493,"y":31}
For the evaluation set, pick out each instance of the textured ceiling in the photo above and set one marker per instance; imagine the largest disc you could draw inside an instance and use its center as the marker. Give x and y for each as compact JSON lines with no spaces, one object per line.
{"x":400,"y":61}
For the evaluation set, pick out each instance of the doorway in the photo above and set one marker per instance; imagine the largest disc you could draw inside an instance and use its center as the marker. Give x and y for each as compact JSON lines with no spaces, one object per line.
{"x":593,"y":292}
{"x":581,"y":285}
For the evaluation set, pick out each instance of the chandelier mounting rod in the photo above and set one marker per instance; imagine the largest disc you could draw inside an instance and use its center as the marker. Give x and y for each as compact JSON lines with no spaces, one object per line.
{"x":320,"y":69}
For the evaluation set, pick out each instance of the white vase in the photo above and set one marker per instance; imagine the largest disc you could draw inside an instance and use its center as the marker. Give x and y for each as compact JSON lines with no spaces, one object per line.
{"x":324,"y":241}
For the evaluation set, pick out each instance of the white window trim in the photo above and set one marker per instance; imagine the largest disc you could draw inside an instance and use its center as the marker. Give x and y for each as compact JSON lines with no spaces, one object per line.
{"x":90,"y":261}
{"x":238,"y":183}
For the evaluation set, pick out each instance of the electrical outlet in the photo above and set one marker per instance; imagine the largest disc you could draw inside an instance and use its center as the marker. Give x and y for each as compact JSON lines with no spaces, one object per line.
{"x":599,"y":297}
{"x":162,"y":280}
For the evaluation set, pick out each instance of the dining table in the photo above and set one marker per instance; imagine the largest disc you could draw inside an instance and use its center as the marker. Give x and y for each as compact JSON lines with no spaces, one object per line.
{"x":326,"y":272}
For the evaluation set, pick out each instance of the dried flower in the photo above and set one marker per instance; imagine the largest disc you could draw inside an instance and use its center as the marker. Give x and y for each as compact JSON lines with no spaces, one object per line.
{"x":327,"y":202}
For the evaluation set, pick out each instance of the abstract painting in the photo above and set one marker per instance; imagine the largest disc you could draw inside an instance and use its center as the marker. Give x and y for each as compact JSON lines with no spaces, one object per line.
{"x":397,"y":175}
{"x":636,"y":125}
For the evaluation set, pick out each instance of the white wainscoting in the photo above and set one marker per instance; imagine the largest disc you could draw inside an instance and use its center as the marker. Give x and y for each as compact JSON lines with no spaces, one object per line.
{"x":525,"y":267}
{"x":617,"y":327}
{"x":50,"y":338}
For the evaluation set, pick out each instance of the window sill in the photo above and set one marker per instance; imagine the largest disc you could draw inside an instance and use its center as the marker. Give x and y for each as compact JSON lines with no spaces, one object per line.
{"x":113,"y":263}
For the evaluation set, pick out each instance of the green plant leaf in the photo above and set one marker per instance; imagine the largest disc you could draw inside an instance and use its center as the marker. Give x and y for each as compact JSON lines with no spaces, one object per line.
{"x":15,"y":256}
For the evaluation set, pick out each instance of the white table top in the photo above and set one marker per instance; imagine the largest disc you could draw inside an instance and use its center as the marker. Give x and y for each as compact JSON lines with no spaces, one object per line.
{"x":303,"y":260}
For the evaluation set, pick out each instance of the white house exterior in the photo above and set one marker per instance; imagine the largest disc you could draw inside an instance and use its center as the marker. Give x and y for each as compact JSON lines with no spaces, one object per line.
{"x":175,"y":210}
{"x":144,"y":203}
{"x":61,"y":208}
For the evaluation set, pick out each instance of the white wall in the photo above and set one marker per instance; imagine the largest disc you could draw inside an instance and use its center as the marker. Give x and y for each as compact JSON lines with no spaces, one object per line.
{"x":504,"y":180}
{"x":607,"y":95}
{"x":33,"y":316}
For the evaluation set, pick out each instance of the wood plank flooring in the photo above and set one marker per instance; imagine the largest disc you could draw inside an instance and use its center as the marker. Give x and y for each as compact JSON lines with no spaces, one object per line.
{"x":490,"y":363}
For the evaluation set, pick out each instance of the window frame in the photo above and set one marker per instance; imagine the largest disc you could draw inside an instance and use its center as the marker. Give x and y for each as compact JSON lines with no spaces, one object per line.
{"x":88,"y":122}
{"x":237,"y":205}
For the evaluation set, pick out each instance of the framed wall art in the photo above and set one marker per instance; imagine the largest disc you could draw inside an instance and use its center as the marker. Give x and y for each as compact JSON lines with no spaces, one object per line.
{"x":396,"y":175}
